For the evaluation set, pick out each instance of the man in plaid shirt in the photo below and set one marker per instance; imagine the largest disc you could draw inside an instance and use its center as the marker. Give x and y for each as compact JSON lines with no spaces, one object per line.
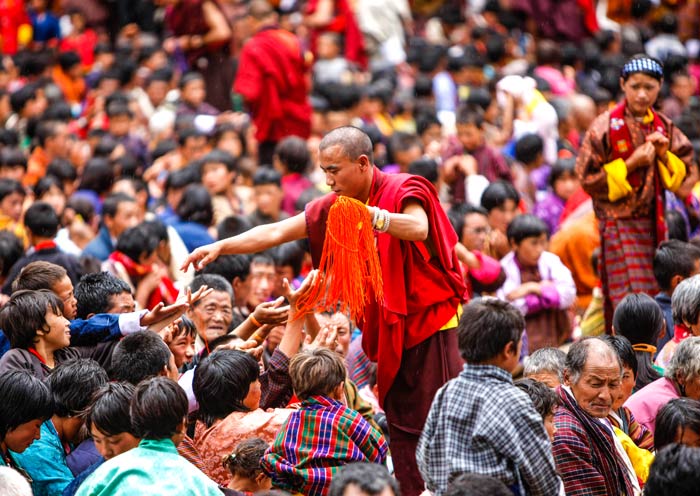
{"x":480,"y":422}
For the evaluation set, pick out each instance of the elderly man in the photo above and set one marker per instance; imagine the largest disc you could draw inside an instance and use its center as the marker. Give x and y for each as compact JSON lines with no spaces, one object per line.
{"x":584,"y":445}
{"x":412,"y":333}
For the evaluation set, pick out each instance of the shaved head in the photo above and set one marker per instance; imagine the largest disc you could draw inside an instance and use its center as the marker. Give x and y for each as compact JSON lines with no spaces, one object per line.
{"x":352,"y":140}
{"x":260,"y":9}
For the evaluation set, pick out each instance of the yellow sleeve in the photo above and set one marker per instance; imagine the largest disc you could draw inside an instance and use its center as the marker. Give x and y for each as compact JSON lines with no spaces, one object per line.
{"x":673,"y":173}
{"x":618,"y":187}
{"x":641,"y":459}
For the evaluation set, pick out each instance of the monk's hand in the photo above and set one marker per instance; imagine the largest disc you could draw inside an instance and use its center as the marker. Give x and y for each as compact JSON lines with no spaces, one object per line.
{"x":202,"y":256}
{"x":643,"y":156}
{"x":661,"y":144}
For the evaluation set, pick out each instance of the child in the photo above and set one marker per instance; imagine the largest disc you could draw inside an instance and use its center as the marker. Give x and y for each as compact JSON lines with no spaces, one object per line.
{"x":158,"y":417}
{"x":483,"y":404}
{"x":120,"y":123}
{"x":247,"y":476}
{"x":563,"y":183}
{"x":640,"y":319}
{"x":219,"y":171}
{"x":102,"y":292}
{"x":537,"y":283}
{"x":324,"y":434}
{"x":181,"y":341}
{"x":267,"y":184}
{"x":489,"y":162}
{"x":545,"y":401}
{"x":26,"y":404}
{"x":530,"y":175}
{"x":193,"y":92}
{"x":292,"y":159}
{"x":109,"y":423}
{"x":12,"y":196}
{"x":53,"y":459}
{"x":500,"y":199}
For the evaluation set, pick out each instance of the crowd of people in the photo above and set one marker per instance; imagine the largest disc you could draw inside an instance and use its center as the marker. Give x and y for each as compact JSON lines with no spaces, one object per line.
{"x":524,"y":170}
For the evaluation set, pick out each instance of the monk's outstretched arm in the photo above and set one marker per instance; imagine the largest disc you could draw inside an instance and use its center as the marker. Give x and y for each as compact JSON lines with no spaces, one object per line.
{"x":257,"y":239}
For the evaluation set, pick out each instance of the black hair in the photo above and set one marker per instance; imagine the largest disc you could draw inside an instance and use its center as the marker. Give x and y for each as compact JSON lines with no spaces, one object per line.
{"x":265,"y":175}
{"x":180,"y":178}
{"x":136,"y":242}
{"x":674,"y":418}
{"x":189,"y":77}
{"x":246,"y":457}
{"x":24,"y":398}
{"x":525,"y":226}
{"x":157,"y":229}
{"x":46,"y":130}
{"x":20,"y":98}
{"x":73,"y":383}
{"x":221,"y":383}
{"x":477,"y":485}
{"x":674,"y":258}
{"x":25,"y":315}
{"x":67,"y":60}
{"x":13,"y":157}
{"x":370,"y":478}
{"x":105,"y":147}
{"x":58,"y":111}
{"x":425,"y":120}
{"x":196,"y":205}
{"x":639,"y":319}
{"x":220,"y":157}
{"x":294,"y":154}
{"x":499,"y":320}
{"x":97,"y":176}
{"x":42,"y":220}
{"x":544,"y":399}
{"x":424,"y":167}
{"x":561,"y":167}
{"x":229,"y":267}
{"x":458,"y":212}
{"x":11,"y":250}
{"x":528,"y":148}
{"x":674,"y":471}
{"x":128,"y":167}
{"x":138,"y":356}
{"x":111,"y":204}
{"x":185,"y":328}
{"x":9,"y":137}
{"x":233,"y":225}
{"x":212,"y":281}
{"x":497,"y":194}
{"x":187,"y":133}
{"x":9,"y":186}
{"x":95,"y":291}
{"x":624,"y":350}
{"x":45,"y":184}
{"x":109,"y":410}
{"x":675,"y":225}
{"x":158,"y":408}
{"x":289,"y":254}
{"x":468,"y":115}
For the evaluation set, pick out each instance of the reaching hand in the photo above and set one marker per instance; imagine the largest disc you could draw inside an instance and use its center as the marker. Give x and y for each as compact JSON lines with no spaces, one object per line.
{"x":270,"y":312}
{"x":327,"y":338}
{"x":202,"y":256}
{"x":293,"y":296}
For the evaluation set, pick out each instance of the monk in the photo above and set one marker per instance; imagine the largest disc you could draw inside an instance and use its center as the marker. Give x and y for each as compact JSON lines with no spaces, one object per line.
{"x":411,"y":334}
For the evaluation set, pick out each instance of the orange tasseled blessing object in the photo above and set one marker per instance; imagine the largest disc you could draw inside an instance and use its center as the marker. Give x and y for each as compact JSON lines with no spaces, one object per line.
{"x":349,"y":269}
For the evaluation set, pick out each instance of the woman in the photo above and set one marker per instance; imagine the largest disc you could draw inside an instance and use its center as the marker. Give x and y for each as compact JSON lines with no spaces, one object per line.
{"x":628,"y":158}
{"x":685,"y":304}
{"x":681,"y":379}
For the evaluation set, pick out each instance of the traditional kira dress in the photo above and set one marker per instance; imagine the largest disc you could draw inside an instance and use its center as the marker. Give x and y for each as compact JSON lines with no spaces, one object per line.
{"x":629,"y":207}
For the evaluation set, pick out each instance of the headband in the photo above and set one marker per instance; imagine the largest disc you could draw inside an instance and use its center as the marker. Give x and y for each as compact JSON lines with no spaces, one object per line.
{"x":646,"y":66}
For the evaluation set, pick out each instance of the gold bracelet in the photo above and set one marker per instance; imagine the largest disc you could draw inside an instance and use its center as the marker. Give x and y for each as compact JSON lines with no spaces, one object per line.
{"x":254,"y":320}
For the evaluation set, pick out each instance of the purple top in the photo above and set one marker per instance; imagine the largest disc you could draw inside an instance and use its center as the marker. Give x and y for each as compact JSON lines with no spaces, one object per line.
{"x":549,"y":209}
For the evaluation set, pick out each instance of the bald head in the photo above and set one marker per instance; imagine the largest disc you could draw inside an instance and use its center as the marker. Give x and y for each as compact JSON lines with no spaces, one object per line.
{"x":583,"y":111}
{"x":353,"y":141}
{"x":260,"y":9}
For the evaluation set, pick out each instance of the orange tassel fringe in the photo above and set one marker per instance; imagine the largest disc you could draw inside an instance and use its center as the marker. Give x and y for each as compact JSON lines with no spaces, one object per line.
{"x":349,"y":269}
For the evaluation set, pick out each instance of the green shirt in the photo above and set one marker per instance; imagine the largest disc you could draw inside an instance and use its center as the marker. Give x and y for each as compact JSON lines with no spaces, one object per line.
{"x":154,"y":468}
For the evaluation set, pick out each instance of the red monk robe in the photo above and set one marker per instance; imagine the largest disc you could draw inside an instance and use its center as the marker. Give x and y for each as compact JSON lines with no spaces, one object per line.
{"x":421,"y":295}
{"x":272,"y":79}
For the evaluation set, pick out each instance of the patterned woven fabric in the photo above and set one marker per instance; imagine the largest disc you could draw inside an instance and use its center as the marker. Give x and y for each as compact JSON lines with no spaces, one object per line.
{"x":316,"y":441}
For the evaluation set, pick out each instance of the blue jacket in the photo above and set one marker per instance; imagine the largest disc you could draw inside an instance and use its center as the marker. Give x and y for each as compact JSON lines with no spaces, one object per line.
{"x":101,"y":247}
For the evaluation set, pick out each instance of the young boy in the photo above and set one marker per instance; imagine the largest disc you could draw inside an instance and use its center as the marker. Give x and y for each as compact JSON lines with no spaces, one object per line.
{"x":489,"y":162}
{"x":483,"y":404}
{"x":500,"y":199}
{"x":159,"y":418}
{"x":109,"y":423}
{"x":537,"y":283}
{"x":102,"y":292}
{"x":545,"y":401}
{"x":531,"y":176}
{"x":267,"y":184}
{"x":50,"y":460}
{"x":324,"y":434}
{"x":219,"y":170}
